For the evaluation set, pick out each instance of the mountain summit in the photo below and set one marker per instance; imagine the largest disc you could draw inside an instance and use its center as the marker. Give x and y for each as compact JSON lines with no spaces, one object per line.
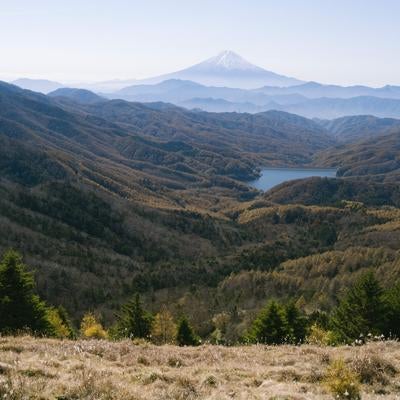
{"x":227,"y":60}
{"x":227,"y":69}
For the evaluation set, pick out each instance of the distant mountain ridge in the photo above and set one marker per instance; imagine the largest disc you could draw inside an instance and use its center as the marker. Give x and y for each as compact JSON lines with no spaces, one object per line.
{"x":314,"y":90}
{"x":330,"y":108}
{"x":293,"y":100}
{"x":82,"y":96}
{"x":38,"y":85}
{"x":179,"y":91}
{"x":229,"y":83}
{"x":227,"y":69}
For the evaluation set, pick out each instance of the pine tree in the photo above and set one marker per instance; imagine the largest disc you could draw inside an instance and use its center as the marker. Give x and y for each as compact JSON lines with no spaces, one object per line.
{"x":20,"y":307}
{"x":185,"y":335}
{"x":362,"y":311}
{"x":297,"y":323}
{"x":134,"y":321}
{"x":163,"y":329}
{"x":393,"y":322}
{"x":270,"y":327}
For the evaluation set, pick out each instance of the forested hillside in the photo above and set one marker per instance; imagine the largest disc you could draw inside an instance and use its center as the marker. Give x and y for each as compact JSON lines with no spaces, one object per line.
{"x":108,"y":198}
{"x":376,"y":159}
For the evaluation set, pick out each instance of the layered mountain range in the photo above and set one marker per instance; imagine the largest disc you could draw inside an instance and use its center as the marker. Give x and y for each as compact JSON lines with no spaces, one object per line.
{"x":311,"y":100}
{"x":105,"y":197}
{"x":229,"y":83}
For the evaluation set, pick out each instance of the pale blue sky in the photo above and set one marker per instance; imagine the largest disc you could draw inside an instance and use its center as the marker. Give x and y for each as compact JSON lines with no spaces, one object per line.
{"x":331,"y":41}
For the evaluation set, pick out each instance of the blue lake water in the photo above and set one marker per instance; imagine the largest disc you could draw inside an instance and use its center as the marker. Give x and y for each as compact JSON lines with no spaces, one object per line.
{"x":271,"y":177}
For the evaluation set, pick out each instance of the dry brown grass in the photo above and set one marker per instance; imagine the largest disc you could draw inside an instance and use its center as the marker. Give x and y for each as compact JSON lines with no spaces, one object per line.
{"x":66,"y":370}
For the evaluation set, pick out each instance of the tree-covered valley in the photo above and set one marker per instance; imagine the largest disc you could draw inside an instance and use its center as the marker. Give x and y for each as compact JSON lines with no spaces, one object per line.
{"x":106,"y":198}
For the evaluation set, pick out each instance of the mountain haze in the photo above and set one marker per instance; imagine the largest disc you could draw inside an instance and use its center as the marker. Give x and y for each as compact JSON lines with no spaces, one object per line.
{"x":229,"y":83}
{"x":179,"y":92}
{"x":227,"y":69}
{"x":331,"y":108}
{"x":38,"y":85}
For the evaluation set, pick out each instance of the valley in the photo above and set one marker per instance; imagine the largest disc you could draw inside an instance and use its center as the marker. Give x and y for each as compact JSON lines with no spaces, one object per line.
{"x":105,"y":198}
{"x":184,"y":222}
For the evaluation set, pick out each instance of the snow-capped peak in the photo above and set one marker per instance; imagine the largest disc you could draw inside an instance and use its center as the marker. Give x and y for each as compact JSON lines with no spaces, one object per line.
{"x":230,"y":70}
{"x":228,"y":60}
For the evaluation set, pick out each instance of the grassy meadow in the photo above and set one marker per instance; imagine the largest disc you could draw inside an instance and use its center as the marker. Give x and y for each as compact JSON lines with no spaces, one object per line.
{"x":32,"y":368}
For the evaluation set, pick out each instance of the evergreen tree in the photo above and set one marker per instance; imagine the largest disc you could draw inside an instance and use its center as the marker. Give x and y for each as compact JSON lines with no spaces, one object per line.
{"x":270,"y":327}
{"x":362,"y":310}
{"x":185,"y":335}
{"x":296,"y":322}
{"x":320,"y":319}
{"x":134,"y":321}
{"x":393,"y":322}
{"x":20,"y":307}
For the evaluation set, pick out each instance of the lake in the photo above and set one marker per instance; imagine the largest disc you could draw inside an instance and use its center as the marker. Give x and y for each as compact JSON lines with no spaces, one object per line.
{"x":271,"y":177}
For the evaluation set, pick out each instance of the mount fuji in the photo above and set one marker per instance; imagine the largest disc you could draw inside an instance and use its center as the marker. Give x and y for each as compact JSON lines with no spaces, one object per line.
{"x":227,"y":69}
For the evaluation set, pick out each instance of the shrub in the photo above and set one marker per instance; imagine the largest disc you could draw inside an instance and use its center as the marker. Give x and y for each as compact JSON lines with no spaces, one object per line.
{"x":92,"y":328}
{"x":342,"y":382}
{"x":61,"y":329}
{"x":320,"y":336}
{"x":373,"y":369}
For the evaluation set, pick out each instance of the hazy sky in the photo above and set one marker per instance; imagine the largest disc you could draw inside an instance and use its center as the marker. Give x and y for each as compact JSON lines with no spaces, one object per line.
{"x":335,"y":41}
